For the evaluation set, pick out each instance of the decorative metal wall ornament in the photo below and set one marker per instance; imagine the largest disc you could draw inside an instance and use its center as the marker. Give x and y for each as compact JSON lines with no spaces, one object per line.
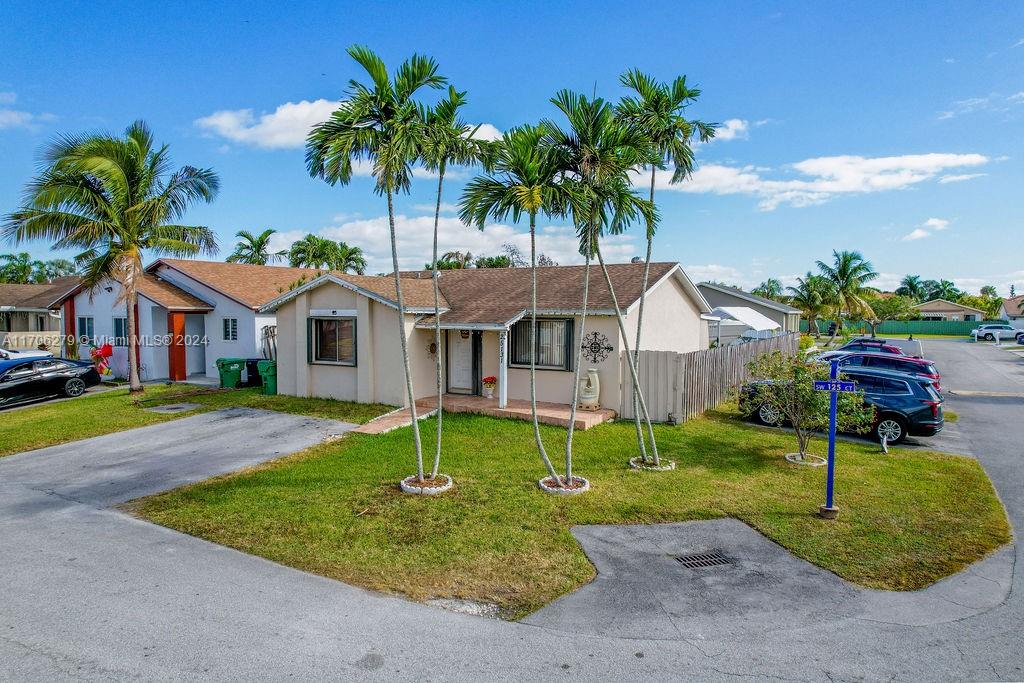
{"x":596,"y":347}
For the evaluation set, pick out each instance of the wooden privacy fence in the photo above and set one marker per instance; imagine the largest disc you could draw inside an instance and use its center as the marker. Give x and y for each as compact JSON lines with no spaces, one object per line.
{"x":678,"y":386}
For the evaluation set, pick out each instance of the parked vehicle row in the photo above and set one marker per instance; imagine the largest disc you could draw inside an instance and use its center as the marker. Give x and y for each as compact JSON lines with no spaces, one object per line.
{"x":905,"y":391}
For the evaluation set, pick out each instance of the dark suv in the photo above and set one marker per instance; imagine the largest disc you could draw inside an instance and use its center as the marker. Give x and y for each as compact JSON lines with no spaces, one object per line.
{"x":905,"y":405}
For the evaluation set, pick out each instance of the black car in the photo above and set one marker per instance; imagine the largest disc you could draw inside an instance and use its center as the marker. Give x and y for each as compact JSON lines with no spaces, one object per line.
{"x":30,"y":380}
{"x":905,"y":405}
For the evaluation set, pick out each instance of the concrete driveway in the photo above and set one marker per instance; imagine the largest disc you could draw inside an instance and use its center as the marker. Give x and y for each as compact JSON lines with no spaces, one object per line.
{"x":90,"y":593}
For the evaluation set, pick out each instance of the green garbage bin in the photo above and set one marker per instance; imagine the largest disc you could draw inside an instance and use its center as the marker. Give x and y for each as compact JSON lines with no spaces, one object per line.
{"x":230,"y":370}
{"x":268,"y":371}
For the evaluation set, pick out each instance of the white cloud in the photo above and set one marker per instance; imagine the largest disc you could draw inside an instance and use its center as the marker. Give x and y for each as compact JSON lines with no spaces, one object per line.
{"x":487,"y":132}
{"x":415,"y":237}
{"x":704,"y":272}
{"x":1019,"y":43}
{"x":926,"y":229}
{"x":286,"y":127}
{"x":826,"y":177}
{"x":959,"y":178}
{"x":733,"y":129}
{"x":995,"y":102}
{"x":16,"y":118}
{"x":446,"y":207}
{"x":916,"y":234}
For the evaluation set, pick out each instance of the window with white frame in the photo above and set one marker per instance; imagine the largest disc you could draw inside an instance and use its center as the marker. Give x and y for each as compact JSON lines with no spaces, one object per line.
{"x":87,"y":328}
{"x":333,"y":340}
{"x":552,"y":343}
{"x":230,"y":329}
{"x":120,"y":331}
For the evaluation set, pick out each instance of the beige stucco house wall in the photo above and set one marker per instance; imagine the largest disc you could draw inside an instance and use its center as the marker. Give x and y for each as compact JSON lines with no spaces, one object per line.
{"x":672,"y":323}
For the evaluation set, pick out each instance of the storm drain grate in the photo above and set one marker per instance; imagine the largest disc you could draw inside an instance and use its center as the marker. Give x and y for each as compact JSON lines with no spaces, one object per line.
{"x":715,"y":558}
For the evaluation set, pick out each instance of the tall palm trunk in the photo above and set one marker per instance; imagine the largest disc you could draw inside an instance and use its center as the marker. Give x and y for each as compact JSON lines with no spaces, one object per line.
{"x":533,"y":349}
{"x":640,"y":324}
{"x":579,"y":362}
{"x":437,"y":325}
{"x":134,"y":382}
{"x":401,"y":335}
{"x":638,"y":394}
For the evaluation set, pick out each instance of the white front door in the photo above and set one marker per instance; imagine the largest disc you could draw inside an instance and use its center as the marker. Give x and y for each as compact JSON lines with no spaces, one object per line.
{"x":460,"y":361}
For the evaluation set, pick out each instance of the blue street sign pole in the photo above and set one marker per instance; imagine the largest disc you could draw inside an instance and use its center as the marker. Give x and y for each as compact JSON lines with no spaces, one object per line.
{"x":829,"y":510}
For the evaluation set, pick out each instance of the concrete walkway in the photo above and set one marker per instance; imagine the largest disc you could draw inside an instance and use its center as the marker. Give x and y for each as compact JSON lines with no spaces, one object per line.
{"x":87,"y":592}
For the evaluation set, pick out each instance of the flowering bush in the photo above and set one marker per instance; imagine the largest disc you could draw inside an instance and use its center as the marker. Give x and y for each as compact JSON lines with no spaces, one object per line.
{"x":490,"y":381}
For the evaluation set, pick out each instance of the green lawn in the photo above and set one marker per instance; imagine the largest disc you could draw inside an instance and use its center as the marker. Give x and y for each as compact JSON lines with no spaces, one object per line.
{"x":51,"y":423}
{"x":907,"y":519}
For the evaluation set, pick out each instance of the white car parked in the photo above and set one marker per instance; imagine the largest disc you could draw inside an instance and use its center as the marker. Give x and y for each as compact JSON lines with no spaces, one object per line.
{"x":994,"y":332}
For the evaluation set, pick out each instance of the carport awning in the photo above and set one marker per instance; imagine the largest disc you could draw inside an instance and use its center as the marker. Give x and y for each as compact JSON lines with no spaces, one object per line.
{"x":747,"y":316}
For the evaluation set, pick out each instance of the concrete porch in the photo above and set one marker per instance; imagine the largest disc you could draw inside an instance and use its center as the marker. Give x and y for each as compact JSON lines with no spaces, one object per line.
{"x":547,"y":413}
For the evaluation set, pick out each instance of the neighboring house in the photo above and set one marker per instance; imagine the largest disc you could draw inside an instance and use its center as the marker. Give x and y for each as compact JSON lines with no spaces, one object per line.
{"x":734,"y":324}
{"x":940,"y":309}
{"x":338,"y":335}
{"x":190,"y":313}
{"x":26,"y":318}
{"x":717,"y":295}
{"x":1012,"y":308}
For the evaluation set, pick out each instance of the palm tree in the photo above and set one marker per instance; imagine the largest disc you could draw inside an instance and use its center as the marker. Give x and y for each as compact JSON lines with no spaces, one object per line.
{"x":848,"y":275}
{"x":657,"y":112}
{"x":523,"y":178}
{"x":47,"y":271}
{"x":349,"y":258}
{"x":990,"y":292}
{"x":596,"y":155}
{"x":313,"y":251}
{"x":945,"y":289}
{"x":447,"y":139}
{"x":114,"y":198}
{"x":911,"y":286}
{"x":812,"y":294}
{"x":769,"y":289}
{"x":17,"y":268}
{"x":380,"y":123}
{"x":254,"y":249}
{"x":457,"y":259}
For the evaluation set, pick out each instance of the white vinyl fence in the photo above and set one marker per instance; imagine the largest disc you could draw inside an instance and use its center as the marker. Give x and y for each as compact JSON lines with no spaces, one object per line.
{"x":678,"y":386}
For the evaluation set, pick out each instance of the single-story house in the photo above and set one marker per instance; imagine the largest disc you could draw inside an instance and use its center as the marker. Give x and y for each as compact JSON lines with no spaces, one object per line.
{"x":26,"y":316}
{"x":1012,"y":308}
{"x":786,"y":316}
{"x":190,"y":314}
{"x":940,"y":309}
{"x":734,"y":324}
{"x":337,"y":335}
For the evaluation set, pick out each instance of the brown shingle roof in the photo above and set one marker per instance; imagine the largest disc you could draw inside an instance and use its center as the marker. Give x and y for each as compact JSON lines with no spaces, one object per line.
{"x":247,"y":284}
{"x":416,"y":292}
{"x":170,"y":297}
{"x":496,"y":295}
{"x":1014,"y":305}
{"x":36,"y":295}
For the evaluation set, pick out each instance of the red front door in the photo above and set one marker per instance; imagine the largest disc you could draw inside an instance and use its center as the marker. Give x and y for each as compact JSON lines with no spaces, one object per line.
{"x":176,"y":349}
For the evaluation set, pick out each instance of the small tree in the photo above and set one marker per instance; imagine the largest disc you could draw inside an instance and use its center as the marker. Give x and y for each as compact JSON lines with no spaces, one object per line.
{"x":785,"y":390}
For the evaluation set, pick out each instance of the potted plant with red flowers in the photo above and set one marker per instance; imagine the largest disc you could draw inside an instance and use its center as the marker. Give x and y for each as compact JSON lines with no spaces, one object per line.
{"x":489,"y":383}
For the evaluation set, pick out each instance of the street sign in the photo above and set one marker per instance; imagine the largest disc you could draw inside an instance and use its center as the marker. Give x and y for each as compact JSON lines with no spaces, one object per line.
{"x":834,"y":385}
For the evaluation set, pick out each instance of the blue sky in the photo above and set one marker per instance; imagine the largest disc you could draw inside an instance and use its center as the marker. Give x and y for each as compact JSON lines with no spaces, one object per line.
{"x":894,"y":129}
